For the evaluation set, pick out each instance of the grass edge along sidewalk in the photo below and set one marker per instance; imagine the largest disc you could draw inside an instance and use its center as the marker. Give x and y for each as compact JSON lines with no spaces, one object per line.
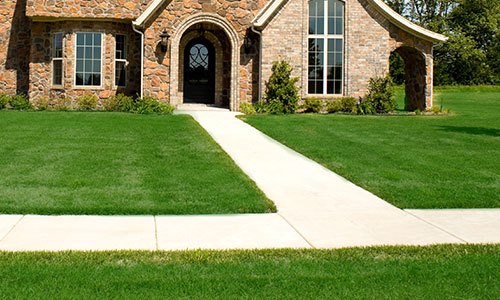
{"x":116,"y":163}
{"x":433,"y":272}
{"x":411,"y":161}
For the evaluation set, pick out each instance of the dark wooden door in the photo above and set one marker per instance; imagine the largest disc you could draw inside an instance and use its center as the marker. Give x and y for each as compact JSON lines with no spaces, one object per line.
{"x":199,"y":72}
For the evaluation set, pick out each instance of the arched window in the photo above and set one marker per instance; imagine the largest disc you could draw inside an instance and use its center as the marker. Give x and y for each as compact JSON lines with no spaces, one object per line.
{"x":326,"y":47}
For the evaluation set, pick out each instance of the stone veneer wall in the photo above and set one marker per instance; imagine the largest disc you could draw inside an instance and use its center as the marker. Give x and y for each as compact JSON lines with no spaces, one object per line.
{"x":172,"y":16}
{"x":41,"y":64}
{"x":107,"y":9}
{"x":15,"y":47}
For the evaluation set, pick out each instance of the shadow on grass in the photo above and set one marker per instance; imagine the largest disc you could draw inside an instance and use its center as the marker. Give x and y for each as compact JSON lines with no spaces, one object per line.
{"x":472,"y":130}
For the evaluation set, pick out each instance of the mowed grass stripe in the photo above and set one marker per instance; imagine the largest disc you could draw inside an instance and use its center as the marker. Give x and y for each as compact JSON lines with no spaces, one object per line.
{"x":412,"y":161}
{"x":114,"y":163}
{"x":437,"y":272}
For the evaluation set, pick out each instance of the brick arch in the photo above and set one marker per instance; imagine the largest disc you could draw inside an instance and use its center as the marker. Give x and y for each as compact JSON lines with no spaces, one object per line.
{"x":232,"y":36}
{"x":416,"y":77}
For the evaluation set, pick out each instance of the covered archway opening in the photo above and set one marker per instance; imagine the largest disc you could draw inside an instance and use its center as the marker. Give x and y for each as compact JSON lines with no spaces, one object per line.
{"x":204,"y":65}
{"x":408,"y":66}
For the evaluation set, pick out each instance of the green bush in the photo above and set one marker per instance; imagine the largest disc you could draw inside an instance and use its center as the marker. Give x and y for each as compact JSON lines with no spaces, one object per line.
{"x":281,"y":93}
{"x":4,"y":100}
{"x":19,"y":102}
{"x":61,"y":104}
{"x":149,"y":105}
{"x":125,"y":103}
{"x":247,"y":108}
{"x":119,"y":102}
{"x":365,"y":108}
{"x":312,"y":105}
{"x":348,"y":105}
{"x":41,"y":103}
{"x":87,"y":102}
{"x":333,"y":106}
{"x":260,"y":107}
{"x":381,"y":95}
{"x":165,"y":108}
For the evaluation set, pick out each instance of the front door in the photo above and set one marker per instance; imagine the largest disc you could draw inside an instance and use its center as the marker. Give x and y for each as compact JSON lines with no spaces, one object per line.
{"x":199,"y":72}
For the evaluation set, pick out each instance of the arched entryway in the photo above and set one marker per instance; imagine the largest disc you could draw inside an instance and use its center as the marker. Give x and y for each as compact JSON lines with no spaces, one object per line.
{"x":221,"y":43}
{"x":199,"y":71}
{"x":415,"y":77}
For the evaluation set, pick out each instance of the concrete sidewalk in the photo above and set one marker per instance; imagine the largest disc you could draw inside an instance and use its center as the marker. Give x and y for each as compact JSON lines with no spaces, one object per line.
{"x":316,"y":209}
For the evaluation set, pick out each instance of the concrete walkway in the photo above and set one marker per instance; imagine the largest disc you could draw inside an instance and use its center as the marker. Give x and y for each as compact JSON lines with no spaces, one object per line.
{"x":316,"y":209}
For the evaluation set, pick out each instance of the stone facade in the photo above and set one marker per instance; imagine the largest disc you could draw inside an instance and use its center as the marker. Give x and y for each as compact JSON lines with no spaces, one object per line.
{"x":27,"y":28}
{"x":85,"y":9}
{"x":41,"y":61}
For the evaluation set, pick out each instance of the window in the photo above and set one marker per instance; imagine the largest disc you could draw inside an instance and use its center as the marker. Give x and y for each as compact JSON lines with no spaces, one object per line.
{"x":120,"y":61}
{"x":88,"y":59}
{"x":57,"y":59}
{"x":326,"y":40}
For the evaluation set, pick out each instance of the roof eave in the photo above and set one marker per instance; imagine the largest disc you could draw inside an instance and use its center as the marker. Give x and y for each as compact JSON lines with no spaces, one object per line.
{"x":406,"y":25}
{"x":267,"y":12}
{"x":141,"y":21}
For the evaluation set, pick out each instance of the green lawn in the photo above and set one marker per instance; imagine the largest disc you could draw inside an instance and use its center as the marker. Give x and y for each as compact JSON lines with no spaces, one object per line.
{"x":412,"y":161}
{"x":115,"y":163}
{"x":437,"y":272}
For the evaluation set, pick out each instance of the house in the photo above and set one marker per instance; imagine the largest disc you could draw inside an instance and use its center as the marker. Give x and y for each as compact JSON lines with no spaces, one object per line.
{"x":210,"y":51}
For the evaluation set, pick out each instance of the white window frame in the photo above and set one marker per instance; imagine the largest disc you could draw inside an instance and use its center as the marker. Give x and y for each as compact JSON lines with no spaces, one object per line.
{"x":53,"y":48}
{"x":325,"y":36}
{"x":75,"y":86}
{"x":123,"y":60}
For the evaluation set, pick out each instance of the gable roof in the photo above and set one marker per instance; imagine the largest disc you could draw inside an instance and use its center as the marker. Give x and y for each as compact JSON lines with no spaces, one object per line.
{"x":272,"y":7}
{"x":148,"y":13}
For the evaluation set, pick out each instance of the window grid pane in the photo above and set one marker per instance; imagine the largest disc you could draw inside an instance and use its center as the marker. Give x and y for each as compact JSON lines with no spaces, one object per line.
{"x":57,"y":56}
{"x":88,"y":62}
{"x":325,"y":60}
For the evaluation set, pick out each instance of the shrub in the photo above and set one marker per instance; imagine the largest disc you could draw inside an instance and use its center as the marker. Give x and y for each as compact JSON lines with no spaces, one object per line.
{"x":19,"y":102}
{"x":125,"y":103}
{"x":87,"y":102}
{"x":4,"y":100}
{"x":149,"y":105}
{"x":165,"y":108}
{"x":247,"y":108}
{"x":281,"y":93}
{"x":61,"y":103}
{"x":365,"y":108}
{"x":146,"y":105}
{"x":380,"y":94}
{"x":348,"y":105}
{"x":312,"y":105}
{"x":119,"y":102}
{"x":333,"y":106}
{"x":260,"y":107}
{"x":41,"y":103}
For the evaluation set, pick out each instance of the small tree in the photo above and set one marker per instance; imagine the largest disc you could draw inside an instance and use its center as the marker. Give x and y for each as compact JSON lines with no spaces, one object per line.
{"x":380,"y":94}
{"x":281,"y":93}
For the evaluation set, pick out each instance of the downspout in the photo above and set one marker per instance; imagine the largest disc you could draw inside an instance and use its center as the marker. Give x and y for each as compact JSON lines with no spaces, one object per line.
{"x":252,"y":28}
{"x":142,"y":57}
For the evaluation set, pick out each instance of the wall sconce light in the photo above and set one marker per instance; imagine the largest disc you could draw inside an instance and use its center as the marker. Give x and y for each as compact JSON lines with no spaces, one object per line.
{"x":248,"y":43}
{"x":164,"y":36}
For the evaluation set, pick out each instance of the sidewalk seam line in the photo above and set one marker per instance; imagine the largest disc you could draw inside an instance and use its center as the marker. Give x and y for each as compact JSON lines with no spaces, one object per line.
{"x":297,"y":231}
{"x":12,"y":229}
{"x":156,"y":234}
{"x":436,"y":226}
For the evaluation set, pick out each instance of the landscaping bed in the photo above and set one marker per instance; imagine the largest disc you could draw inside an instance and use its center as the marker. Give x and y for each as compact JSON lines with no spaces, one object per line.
{"x":436,"y":272}
{"x":449,"y":161}
{"x":117,"y":163}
